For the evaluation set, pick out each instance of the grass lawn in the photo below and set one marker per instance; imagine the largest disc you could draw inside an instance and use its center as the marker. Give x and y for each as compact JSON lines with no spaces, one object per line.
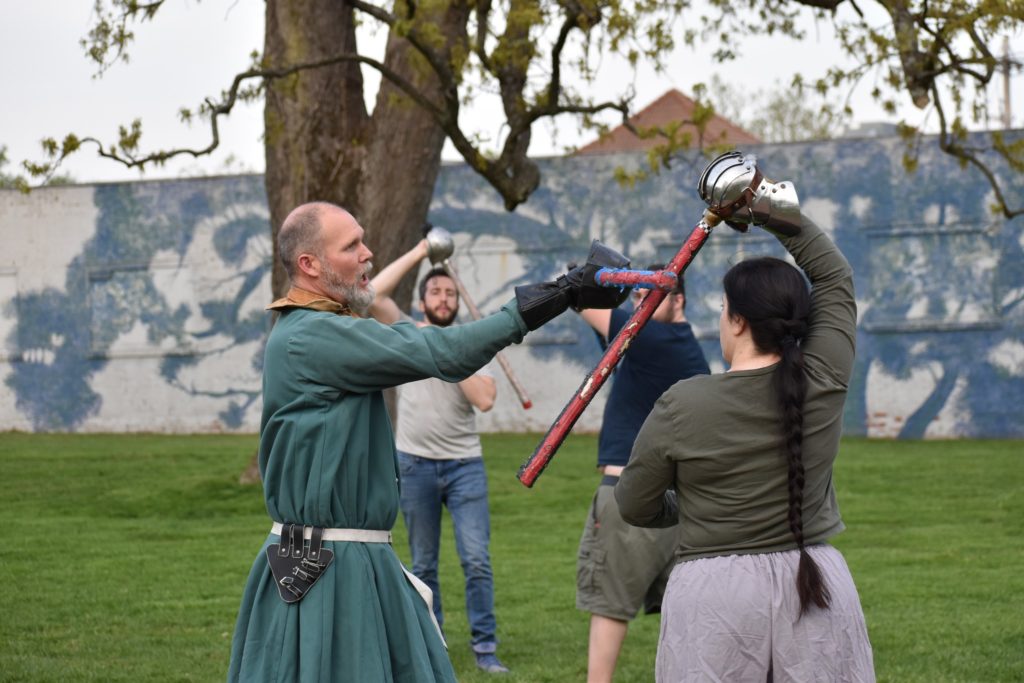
{"x":122,"y":558}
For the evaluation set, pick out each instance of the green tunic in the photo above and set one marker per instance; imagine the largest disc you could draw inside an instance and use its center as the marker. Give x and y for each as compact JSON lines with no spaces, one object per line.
{"x":327,"y":457}
{"x":716,"y":440}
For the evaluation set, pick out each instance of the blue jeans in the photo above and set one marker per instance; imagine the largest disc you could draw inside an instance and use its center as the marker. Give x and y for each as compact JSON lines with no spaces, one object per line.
{"x":461,"y":486}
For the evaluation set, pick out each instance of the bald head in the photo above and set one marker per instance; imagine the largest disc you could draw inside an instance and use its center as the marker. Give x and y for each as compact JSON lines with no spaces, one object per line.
{"x":301,"y":234}
{"x":322,"y":250}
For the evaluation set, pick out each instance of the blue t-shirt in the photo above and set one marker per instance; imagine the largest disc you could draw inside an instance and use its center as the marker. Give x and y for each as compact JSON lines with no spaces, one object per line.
{"x":661,"y":355}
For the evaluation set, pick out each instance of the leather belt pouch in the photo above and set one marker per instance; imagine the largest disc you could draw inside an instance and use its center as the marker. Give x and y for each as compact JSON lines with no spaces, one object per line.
{"x":296,"y":564}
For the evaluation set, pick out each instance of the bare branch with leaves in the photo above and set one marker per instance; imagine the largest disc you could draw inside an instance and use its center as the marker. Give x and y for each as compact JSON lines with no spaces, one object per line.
{"x":537,"y":57}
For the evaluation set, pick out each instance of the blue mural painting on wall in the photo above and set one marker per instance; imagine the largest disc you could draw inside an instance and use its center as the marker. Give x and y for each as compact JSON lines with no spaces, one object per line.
{"x":111,"y":287}
{"x":940,"y":278}
{"x":180,"y":270}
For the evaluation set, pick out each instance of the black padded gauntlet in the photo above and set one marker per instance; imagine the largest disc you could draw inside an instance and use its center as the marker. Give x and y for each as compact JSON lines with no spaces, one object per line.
{"x":587,"y":293}
{"x":540,"y":302}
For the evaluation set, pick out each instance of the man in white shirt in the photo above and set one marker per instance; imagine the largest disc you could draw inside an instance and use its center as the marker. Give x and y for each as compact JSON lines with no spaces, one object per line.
{"x":440,"y":459}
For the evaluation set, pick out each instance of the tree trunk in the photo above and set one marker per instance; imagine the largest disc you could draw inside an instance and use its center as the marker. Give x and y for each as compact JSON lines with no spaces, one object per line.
{"x":321,"y":144}
{"x":315,"y":120}
{"x":404,"y":148}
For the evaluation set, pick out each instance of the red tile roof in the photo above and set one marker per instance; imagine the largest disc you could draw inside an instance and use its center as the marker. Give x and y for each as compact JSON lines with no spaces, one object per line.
{"x":670,"y":107}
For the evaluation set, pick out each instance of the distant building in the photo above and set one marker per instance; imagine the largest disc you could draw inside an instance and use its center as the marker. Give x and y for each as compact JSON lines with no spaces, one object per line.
{"x":670,"y":107}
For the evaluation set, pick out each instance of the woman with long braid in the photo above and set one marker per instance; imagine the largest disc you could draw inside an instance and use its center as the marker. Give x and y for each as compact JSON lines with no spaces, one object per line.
{"x":742,"y":462}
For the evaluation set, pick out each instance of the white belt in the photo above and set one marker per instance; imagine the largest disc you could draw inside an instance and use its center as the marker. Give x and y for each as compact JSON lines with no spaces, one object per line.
{"x":374,"y":536}
{"x":356,"y":535}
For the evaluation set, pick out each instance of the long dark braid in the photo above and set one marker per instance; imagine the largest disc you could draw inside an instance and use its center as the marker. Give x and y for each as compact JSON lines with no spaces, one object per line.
{"x":772,"y":297}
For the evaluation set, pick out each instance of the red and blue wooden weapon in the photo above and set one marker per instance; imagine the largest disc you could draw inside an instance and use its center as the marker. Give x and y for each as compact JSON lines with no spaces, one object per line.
{"x":637,"y":279}
{"x":660,"y":283}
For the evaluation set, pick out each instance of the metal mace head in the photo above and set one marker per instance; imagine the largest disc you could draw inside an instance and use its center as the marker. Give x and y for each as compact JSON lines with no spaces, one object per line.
{"x":440,"y":245}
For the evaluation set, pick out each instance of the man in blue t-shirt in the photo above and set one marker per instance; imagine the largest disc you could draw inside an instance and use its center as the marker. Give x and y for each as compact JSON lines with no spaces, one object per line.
{"x":621,"y":568}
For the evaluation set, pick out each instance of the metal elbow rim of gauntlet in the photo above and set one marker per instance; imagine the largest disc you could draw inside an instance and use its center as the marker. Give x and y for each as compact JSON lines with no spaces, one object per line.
{"x":776,"y":206}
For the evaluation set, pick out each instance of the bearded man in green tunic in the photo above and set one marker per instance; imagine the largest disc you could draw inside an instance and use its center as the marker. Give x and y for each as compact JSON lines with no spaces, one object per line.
{"x":327,"y":456}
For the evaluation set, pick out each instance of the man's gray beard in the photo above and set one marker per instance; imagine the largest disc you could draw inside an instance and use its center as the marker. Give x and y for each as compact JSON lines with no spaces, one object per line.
{"x":356,"y":297}
{"x":359,"y":299}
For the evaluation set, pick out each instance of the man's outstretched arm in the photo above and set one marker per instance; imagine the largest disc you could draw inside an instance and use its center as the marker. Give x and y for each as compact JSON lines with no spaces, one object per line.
{"x":384,"y":309}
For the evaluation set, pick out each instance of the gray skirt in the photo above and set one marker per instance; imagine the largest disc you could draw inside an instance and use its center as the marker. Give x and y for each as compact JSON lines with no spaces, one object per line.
{"x":737,"y":618}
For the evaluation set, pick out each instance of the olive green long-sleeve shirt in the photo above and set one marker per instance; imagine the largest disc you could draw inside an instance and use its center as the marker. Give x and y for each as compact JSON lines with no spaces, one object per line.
{"x":716,"y":440}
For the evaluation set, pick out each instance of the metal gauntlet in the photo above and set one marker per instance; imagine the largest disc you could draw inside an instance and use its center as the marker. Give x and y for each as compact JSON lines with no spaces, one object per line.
{"x":734,"y":188}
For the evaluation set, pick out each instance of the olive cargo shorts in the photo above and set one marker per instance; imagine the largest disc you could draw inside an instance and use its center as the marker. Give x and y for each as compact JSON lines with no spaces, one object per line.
{"x":621,"y":568}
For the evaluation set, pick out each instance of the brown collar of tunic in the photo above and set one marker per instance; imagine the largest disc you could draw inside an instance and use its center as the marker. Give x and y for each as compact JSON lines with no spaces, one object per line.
{"x":301,"y":298}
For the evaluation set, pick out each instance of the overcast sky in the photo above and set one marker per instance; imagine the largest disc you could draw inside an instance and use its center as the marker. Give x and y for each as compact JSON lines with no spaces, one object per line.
{"x":192,"y":50}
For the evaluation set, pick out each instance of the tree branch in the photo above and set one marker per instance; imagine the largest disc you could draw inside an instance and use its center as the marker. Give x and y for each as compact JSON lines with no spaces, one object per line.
{"x":122,"y":152}
{"x":438,"y":63}
{"x":555,"y":86}
{"x":111,"y":31}
{"x":483,"y":15}
{"x":948,"y":145}
{"x":830,"y":5}
{"x":377,"y":13}
{"x":957,"y":63}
